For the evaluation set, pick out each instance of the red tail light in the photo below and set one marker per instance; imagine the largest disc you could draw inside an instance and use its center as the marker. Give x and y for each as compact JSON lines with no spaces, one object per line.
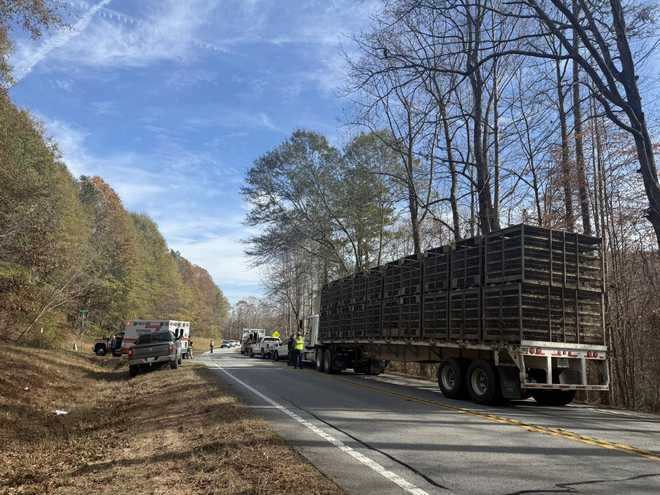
{"x":130,"y":353}
{"x":171,"y":348}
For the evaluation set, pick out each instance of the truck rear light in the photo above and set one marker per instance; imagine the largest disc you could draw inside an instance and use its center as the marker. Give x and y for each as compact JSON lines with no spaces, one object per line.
{"x":130,"y":353}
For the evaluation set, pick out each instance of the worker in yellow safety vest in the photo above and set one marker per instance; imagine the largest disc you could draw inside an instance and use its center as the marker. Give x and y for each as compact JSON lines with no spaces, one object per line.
{"x":298,"y":351}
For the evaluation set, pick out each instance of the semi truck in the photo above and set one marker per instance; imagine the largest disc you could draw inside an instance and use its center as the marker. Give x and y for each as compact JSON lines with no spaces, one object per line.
{"x":509,"y":315}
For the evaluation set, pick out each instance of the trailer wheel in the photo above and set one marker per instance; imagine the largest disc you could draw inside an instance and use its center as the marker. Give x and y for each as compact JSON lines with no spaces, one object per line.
{"x":133,"y":370}
{"x":451,"y":378}
{"x":319,"y":361}
{"x":482,"y":383}
{"x":328,"y":361}
{"x":553,"y":397}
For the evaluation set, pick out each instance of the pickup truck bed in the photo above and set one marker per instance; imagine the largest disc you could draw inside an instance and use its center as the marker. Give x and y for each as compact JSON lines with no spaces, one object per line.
{"x":155,"y":349}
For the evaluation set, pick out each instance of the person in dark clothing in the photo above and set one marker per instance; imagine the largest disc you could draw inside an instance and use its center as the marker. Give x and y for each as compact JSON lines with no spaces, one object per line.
{"x":291,"y":345}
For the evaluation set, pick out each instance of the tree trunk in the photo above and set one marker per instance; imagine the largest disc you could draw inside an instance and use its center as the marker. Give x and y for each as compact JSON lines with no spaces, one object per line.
{"x":452,"y":170}
{"x":577,"y":124}
{"x":569,"y":219}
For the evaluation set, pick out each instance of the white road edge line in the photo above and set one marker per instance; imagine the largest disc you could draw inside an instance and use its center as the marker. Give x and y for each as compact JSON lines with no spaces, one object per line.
{"x":389,"y":475}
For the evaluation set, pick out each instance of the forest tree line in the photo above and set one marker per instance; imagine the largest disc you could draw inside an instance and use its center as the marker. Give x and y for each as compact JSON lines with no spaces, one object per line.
{"x":68,"y":245}
{"x":469,"y":116}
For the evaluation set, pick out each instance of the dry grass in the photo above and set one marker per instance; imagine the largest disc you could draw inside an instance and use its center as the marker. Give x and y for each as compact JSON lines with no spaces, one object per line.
{"x":173,"y":432}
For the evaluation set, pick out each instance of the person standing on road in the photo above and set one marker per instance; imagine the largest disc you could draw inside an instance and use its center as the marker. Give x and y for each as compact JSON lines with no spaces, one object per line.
{"x":298,"y":353}
{"x":211,"y":345}
{"x":291,"y":347}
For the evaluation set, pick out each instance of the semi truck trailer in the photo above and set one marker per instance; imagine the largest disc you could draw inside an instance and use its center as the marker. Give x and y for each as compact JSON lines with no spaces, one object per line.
{"x":509,"y":315}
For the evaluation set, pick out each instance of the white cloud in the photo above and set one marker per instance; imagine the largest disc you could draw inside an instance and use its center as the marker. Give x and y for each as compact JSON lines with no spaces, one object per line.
{"x":27,"y":63}
{"x":113,"y":39}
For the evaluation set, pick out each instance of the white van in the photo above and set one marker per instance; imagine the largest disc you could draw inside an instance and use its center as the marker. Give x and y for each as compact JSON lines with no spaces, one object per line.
{"x":180,"y":330}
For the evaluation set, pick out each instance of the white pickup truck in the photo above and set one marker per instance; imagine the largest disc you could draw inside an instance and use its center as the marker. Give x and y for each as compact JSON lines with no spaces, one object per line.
{"x":264,"y":347}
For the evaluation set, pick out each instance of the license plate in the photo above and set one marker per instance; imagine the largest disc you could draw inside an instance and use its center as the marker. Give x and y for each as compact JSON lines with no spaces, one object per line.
{"x":562,"y":363}
{"x":150,"y":359}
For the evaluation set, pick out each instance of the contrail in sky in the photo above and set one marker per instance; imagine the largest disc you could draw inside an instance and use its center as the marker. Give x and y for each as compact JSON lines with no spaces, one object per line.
{"x":26,"y":65}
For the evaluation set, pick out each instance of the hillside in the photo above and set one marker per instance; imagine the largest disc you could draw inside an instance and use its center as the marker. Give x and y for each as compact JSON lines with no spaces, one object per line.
{"x":69,"y":245}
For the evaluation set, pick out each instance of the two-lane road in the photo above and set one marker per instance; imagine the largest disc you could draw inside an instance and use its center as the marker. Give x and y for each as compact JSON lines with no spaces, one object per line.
{"x":392,"y":435}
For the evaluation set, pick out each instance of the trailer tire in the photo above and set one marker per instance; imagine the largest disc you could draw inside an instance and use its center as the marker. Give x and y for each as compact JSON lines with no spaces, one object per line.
{"x":451,"y":378}
{"x":328,"y":358}
{"x":319,"y":363}
{"x":482,"y":382}
{"x":553,"y":397}
{"x":133,"y":370}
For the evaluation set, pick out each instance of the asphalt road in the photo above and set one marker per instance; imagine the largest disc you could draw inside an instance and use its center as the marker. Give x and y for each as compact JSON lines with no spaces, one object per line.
{"x":392,"y":435}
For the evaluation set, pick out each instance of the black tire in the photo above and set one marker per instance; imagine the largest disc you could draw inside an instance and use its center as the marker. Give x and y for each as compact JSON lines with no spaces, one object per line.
{"x":319,"y":363}
{"x":525,"y":394}
{"x":553,"y":398}
{"x":451,"y":378}
{"x":328,"y":365}
{"x":174,"y":364}
{"x":482,"y":382}
{"x":133,"y":370}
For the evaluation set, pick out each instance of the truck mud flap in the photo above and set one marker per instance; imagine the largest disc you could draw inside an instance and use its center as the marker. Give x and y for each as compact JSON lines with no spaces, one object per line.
{"x":509,"y":382}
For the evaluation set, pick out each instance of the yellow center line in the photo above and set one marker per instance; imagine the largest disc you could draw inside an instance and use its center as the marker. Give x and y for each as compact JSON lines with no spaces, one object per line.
{"x":555,"y":432}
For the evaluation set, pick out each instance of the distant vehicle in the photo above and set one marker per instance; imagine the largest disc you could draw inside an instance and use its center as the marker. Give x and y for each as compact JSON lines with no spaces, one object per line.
{"x":226,"y":344}
{"x":102,"y":346}
{"x":267,"y":346}
{"x":249,"y":337}
{"x":154,"y":350}
{"x":280,"y":351}
{"x":116,"y":343}
{"x":180,"y":330}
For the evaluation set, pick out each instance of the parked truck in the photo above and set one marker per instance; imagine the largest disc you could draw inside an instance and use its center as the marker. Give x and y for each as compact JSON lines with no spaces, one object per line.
{"x":154,"y":349}
{"x":180,"y":330}
{"x":512,"y":314}
{"x":249,"y":337}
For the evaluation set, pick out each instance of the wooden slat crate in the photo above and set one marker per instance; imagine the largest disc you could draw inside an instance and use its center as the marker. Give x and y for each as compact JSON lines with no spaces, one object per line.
{"x":536,"y":255}
{"x":359,"y":320}
{"x":435,"y":321}
{"x":359,"y":294}
{"x":544,"y":313}
{"x":437,"y":270}
{"x":373,"y":320}
{"x":345,"y":323}
{"x":390,"y":318}
{"x":409,"y":317}
{"x":411,"y":275}
{"x":374,"y":285}
{"x":465,"y":314}
{"x":467,"y":264}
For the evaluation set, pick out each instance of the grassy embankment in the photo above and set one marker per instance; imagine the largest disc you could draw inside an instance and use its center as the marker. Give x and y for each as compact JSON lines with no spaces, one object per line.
{"x":169,"y":431}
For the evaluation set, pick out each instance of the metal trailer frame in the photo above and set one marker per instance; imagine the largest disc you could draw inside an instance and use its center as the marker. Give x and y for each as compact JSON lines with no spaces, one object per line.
{"x":530,"y":354}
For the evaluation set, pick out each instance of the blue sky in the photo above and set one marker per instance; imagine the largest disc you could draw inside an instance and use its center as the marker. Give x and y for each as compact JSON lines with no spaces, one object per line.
{"x":170,"y":101}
